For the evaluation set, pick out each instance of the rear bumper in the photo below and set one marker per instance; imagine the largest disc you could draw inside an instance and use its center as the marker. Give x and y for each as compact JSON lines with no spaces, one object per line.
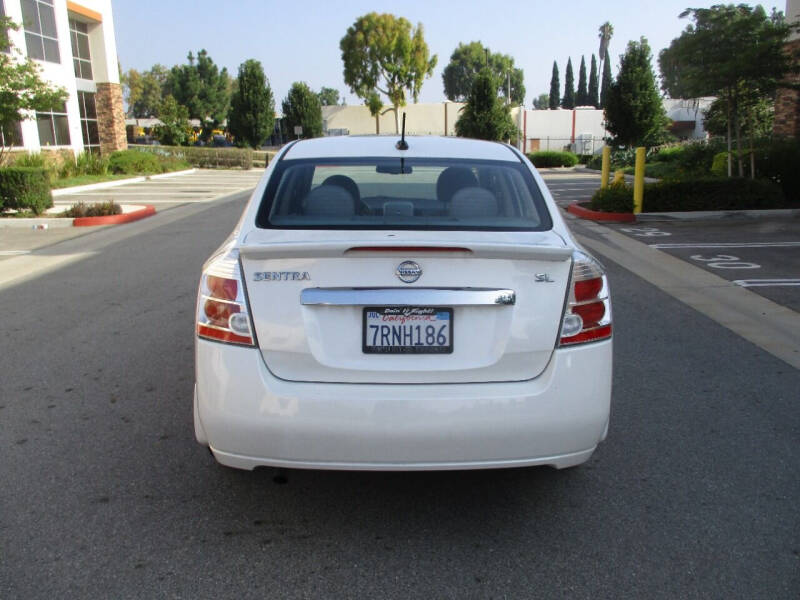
{"x":250,"y":418}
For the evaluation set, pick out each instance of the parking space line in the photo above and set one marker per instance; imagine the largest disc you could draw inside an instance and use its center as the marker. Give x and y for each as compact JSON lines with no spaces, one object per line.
{"x":767,"y":282}
{"x":728,"y":245}
{"x":13,"y":252}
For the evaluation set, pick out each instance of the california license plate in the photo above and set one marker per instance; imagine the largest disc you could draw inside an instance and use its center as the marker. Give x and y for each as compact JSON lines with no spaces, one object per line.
{"x":408,"y":330}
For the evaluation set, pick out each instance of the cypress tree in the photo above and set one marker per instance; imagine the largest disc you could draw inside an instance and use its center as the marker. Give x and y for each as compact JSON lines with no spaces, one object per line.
{"x":606,"y":82}
{"x":568,"y":101}
{"x":593,"y":85}
{"x":634,"y":112}
{"x":252,"y":113}
{"x":555,"y":84}
{"x":582,"y":98}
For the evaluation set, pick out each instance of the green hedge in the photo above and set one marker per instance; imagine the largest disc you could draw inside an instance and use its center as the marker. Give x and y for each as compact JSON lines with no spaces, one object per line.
{"x":203,"y":157}
{"x":131,"y":162}
{"x":617,"y":197}
{"x":776,"y":160}
{"x":710,"y":193}
{"x":551,"y":158}
{"x":25,"y":188}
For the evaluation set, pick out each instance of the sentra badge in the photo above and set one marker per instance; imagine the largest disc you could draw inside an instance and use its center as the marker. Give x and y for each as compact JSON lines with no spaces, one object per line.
{"x":281,"y":276}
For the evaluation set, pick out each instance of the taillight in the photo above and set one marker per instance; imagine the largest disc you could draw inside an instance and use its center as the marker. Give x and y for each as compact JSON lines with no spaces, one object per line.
{"x":222,"y":313}
{"x":587,"y":317}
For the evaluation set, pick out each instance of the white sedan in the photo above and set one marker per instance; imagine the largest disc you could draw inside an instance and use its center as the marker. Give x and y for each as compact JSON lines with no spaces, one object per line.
{"x":398,"y":309}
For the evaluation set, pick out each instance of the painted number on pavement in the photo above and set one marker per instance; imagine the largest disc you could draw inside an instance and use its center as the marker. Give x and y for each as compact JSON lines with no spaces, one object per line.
{"x":645,"y":231}
{"x":724,"y":261}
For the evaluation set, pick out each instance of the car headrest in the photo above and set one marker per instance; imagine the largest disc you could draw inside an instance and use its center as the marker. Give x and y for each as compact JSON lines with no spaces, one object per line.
{"x":345,"y":182}
{"x":473,"y":202}
{"x":329,"y":200}
{"x":453,"y":179}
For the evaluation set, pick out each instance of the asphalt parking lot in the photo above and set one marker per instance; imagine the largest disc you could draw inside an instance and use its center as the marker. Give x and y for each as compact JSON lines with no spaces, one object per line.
{"x":761,"y":254}
{"x":204,"y":185}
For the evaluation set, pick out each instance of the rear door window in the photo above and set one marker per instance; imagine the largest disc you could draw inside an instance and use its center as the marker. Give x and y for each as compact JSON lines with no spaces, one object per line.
{"x":387,"y":193}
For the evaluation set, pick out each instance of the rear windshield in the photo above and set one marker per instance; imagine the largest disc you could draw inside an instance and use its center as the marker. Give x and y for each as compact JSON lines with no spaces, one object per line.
{"x":383,"y":193}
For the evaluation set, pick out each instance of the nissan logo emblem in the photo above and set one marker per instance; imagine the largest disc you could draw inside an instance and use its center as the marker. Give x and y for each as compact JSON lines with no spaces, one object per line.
{"x":408,"y":271}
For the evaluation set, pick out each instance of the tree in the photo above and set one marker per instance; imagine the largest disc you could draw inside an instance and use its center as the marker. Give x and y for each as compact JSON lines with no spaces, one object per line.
{"x":555,"y":88}
{"x":485,"y":116}
{"x":467,"y":61}
{"x":606,"y":83}
{"x":144,"y":90}
{"x":582,"y":98}
{"x":728,"y":50}
{"x":252,"y":115}
{"x":202,"y":88}
{"x":568,"y":101}
{"x":592,"y":98}
{"x":301,"y":107}
{"x":174,"y":130}
{"x":606,"y":33}
{"x":634,"y":112}
{"x":384,"y":54}
{"x":541,"y":102}
{"x":22,"y":89}
{"x":755,"y":116}
{"x":328,"y":96}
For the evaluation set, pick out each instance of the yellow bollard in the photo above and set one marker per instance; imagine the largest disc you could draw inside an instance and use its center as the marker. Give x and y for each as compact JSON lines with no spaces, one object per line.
{"x":606,"y":167}
{"x":638,"y":181}
{"x":619,"y":176}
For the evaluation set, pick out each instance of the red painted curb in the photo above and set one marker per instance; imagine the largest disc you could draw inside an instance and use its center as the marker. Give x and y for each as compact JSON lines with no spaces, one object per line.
{"x":595,"y":215}
{"x":147,"y":211}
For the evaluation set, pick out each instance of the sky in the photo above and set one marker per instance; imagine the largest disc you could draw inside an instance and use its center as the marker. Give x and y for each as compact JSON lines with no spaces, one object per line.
{"x":299,"y":41}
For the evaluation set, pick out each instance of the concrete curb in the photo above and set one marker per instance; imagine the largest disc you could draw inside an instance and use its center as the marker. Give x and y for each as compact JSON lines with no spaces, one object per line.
{"x":143,"y":211}
{"x":594,"y":215}
{"x":147,"y":211}
{"x":116,"y":182}
{"x":172,"y":174}
{"x":95,"y":186}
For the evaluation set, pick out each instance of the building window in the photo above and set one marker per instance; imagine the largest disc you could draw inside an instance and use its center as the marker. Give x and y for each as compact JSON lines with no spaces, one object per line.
{"x":11,"y":135}
{"x":91,"y":135}
{"x":41,"y":38}
{"x":81,"y":59}
{"x":53,"y":127}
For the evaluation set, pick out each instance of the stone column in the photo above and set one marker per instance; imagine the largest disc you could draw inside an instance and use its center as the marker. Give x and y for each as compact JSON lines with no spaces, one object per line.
{"x":787,"y":102}
{"x":110,"y":118}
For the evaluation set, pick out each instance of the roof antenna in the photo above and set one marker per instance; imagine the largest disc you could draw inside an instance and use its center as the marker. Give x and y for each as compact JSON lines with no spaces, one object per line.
{"x":402,"y":145}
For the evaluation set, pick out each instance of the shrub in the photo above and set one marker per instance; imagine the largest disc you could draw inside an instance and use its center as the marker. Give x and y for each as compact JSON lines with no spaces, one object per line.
{"x":584,"y":158}
{"x":712,"y":193}
{"x":206,"y":158}
{"x":709,"y":193}
{"x":780,"y":162}
{"x":617,"y":197}
{"x":37,"y":160}
{"x":668,"y":154}
{"x":552,"y":158}
{"x":98,"y":209}
{"x":596,"y":162}
{"x":85,"y":163}
{"x":131,"y":162}
{"x":25,"y":188}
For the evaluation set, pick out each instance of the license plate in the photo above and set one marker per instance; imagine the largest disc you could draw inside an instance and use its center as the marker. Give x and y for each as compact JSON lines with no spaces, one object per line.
{"x":407,"y":330}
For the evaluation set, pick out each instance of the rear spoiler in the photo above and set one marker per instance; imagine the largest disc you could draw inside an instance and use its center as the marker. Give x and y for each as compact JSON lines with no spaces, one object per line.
{"x":338,"y":248}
